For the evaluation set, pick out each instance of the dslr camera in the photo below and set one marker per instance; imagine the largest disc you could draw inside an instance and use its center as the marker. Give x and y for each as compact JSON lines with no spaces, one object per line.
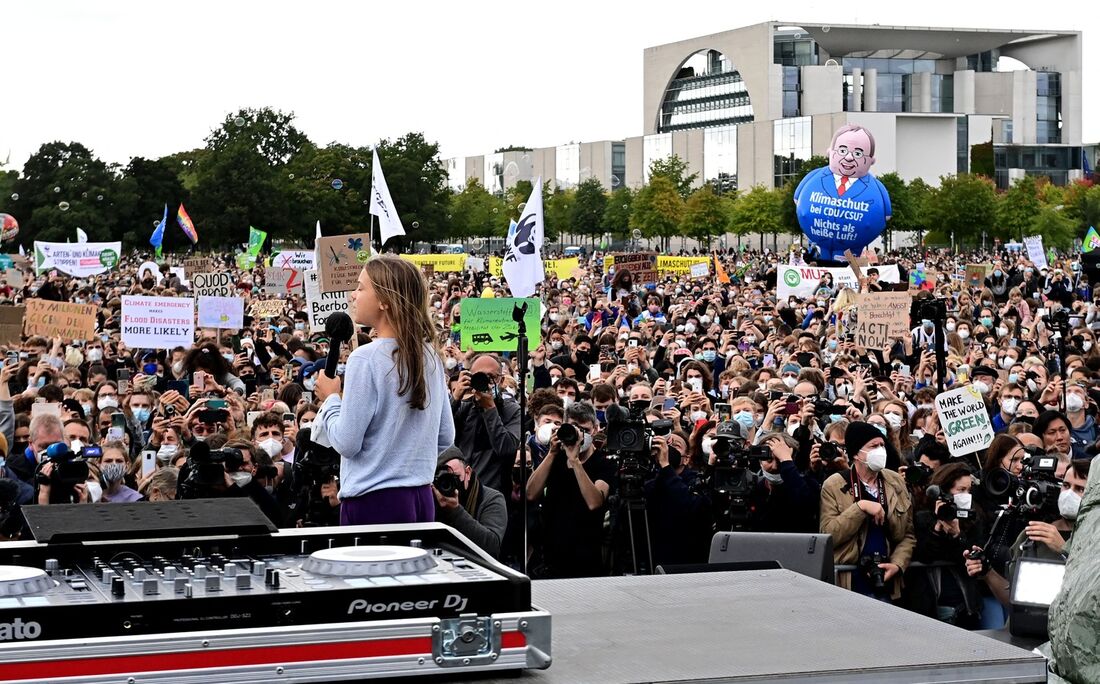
{"x":1035,"y":492}
{"x":447,"y":482}
{"x":207,"y":469}
{"x":69,"y":470}
{"x":876,"y":576}
{"x":948,"y":510}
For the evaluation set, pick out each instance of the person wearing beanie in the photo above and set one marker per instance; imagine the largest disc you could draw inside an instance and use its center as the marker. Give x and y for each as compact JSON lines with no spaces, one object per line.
{"x":867,"y":511}
{"x":475,"y":510}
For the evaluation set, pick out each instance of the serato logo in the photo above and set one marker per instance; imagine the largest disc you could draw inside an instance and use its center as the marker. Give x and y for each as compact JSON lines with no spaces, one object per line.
{"x":18,"y":630}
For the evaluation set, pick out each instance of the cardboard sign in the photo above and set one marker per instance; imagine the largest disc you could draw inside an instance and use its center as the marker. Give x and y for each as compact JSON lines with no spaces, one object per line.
{"x":976,"y":274}
{"x":802,"y":281}
{"x":700,"y":270}
{"x":320,"y":305}
{"x":340,"y":259}
{"x":267,"y":308}
{"x":1034,"y":246}
{"x":158,"y":322}
{"x":476,"y":264}
{"x":887,"y":308}
{"x":221,"y":312}
{"x":964,"y":420}
{"x":213,"y":285}
{"x":200,"y":265}
{"x":643,"y":265}
{"x":15,"y":278}
{"x":64,"y":319}
{"x":297,"y":259}
{"x":679,"y":265}
{"x":278,"y":281}
{"x":11,"y":324}
{"x":487,"y":324}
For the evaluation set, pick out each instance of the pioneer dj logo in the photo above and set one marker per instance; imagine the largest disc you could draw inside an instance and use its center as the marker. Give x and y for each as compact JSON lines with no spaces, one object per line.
{"x":451,"y":601}
{"x":19,"y":630}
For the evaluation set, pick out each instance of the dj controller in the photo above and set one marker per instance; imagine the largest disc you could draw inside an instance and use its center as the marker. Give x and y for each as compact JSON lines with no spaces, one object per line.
{"x":207,"y":590}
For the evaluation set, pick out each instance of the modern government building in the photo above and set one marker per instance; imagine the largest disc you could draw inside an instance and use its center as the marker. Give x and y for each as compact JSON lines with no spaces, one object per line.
{"x":746,"y":107}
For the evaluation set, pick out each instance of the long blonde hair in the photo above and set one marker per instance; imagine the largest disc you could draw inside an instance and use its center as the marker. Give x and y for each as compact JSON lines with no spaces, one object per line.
{"x":400,"y":287}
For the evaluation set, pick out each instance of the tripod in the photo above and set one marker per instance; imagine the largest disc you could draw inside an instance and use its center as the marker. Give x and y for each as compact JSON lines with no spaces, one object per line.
{"x":518,"y":313}
{"x":634,"y":537}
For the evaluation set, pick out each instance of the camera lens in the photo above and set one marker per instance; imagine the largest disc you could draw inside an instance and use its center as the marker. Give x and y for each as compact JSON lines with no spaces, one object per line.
{"x":568,"y":435}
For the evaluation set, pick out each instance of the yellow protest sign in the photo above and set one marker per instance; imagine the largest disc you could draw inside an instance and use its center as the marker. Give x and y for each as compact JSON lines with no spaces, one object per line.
{"x":449,"y":263}
{"x":561,"y":268}
{"x":679,"y":265}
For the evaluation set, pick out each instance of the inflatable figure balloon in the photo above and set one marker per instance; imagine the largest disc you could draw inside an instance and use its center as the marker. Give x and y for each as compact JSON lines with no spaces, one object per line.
{"x":842,"y":206}
{"x":9,"y":227}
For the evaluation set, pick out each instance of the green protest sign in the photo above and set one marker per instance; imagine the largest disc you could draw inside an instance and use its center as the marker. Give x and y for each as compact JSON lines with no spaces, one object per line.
{"x":487,"y":324}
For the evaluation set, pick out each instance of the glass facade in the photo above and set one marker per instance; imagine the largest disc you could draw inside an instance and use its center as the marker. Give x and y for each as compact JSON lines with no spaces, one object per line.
{"x":618,"y":164}
{"x":983,"y":61}
{"x":456,"y":170}
{"x":715,"y":97}
{"x":962,"y":145}
{"x":1048,"y":107}
{"x":655,"y":147}
{"x":794,"y":52}
{"x":720,"y":157}
{"x":853,"y":92}
{"x":494,"y":173}
{"x":567,"y":171}
{"x":792,"y":81}
{"x":943,"y":93}
{"x":791,"y":147}
{"x":1036,"y":160}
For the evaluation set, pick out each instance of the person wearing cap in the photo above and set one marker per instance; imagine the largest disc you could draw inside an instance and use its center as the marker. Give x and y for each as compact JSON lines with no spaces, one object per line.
{"x":868,"y":511}
{"x":985,"y":380}
{"x":783,"y":500}
{"x":679,"y":519}
{"x":475,"y":510}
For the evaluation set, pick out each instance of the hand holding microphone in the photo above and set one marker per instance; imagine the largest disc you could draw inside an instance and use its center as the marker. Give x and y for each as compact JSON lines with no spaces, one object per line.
{"x":339,"y":329}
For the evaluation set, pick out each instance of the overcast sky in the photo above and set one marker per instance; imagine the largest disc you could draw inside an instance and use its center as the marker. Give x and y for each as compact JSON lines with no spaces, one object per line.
{"x":151,"y":78}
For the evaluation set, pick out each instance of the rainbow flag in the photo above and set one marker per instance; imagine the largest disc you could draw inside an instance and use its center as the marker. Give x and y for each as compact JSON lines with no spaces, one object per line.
{"x":187,"y":225}
{"x":1092,"y":240}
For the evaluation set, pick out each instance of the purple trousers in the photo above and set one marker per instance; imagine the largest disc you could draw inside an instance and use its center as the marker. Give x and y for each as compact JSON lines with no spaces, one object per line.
{"x":394,"y":505}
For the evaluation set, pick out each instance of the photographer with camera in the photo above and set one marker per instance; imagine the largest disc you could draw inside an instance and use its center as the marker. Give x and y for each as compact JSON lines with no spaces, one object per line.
{"x":573,"y":483}
{"x":1047,"y":539}
{"x":869,"y":514}
{"x":946,"y":525}
{"x":217,"y":469}
{"x":783,"y":500}
{"x":679,"y":519}
{"x":467,"y":505}
{"x":486,"y":425}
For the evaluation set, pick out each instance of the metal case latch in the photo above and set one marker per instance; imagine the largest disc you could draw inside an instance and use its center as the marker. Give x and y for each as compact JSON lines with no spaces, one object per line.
{"x":465,"y":640}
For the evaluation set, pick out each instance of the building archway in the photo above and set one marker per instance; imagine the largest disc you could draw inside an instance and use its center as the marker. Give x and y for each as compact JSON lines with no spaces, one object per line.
{"x":705,"y":90}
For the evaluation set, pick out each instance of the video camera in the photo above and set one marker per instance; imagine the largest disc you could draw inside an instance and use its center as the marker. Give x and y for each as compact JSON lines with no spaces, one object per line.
{"x":948,"y":511}
{"x":69,"y":470}
{"x":629,"y":444}
{"x":207,"y":469}
{"x":314,"y":466}
{"x":729,"y":481}
{"x":1034,"y":494}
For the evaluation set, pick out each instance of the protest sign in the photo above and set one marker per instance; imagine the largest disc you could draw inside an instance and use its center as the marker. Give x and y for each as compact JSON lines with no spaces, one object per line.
{"x":213,"y":285}
{"x":976,"y":273}
{"x":643,"y":265}
{"x":340,"y":259}
{"x":803,"y":281}
{"x":280,"y":281}
{"x":320,"y":305}
{"x":964,"y":420}
{"x":679,"y":265}
{"x":67,"y":320}
{"x":200,"y":265}
{"x":1034,"y":246}
{"x":475,"y":264}
{"x":221,"y":312}
{"x":882,"y":318}
{"x":158,"y":322}
{"x":700,"y":270}
{"x":11,"y":324}
{"x":267,"y":308}
{"x":78,"y":259}
{"x":15,"y":278}
{"x":297,"y":259}
{"x":443,"y":263}
{"x":487,"y":324}
{"x":179,"y":273}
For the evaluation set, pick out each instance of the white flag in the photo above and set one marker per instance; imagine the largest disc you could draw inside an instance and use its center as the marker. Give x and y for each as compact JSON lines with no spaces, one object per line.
{"x":81,"y":236}
{"x":381,"y":204}
{"x":318,"y":235}
{"x":523,"y":256}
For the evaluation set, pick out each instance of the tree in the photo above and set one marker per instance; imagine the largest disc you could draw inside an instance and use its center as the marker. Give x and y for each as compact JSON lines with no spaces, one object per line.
{"x":790,"y":215}
{"x":920,"y":194}
{"x":616,"y":215}
{"x":1082,"y":204}
{"x":982,"y":162}
{"x":418,"y":184}
{"x":963,"y":206}
{"x":475,"y":212}
{"x":1057,"y":229}
{"x":146,"y":186}
{"x":673,"y":168}
{"x":657,"y":209}
{"x":757,"y":211}
{"x":307,"y":180}
{"x":704,"y":215}
{"x":586,"y":215}
{"x":271,"y":132}
{"x":557,"y":212}
{"x":1017,"y":209}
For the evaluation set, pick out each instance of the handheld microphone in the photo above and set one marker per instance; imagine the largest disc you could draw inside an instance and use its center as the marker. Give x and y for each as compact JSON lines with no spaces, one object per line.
{"x":339,"y":329}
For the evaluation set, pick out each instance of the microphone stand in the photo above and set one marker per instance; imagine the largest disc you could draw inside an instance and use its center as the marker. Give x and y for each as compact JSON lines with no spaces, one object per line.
{"x":521,"y":395}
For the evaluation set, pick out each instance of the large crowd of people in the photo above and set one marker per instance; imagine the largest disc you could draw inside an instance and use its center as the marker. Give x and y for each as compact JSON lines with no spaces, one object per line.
{"x":694,"y":405}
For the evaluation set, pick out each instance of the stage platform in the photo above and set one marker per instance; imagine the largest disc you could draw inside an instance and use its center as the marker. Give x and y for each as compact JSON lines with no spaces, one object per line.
{"x":756,"y":626}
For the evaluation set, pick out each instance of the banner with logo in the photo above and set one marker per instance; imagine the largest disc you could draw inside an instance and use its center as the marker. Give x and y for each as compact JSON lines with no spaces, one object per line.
{"x":443,"y":263}
{"x":802,"y":281}
{"x":561,"y":268}
{"x":679,"y":265}
{"x":78,"y":259}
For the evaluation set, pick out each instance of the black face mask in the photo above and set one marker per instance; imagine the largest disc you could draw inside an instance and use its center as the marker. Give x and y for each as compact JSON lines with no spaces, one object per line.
{"x":675,"y":458}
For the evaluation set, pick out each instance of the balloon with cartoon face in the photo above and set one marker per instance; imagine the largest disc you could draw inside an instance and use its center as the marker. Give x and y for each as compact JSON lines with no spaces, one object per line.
{"x":842,"y":206}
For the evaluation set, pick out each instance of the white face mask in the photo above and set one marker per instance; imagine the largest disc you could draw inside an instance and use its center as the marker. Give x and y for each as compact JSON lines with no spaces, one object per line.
{"x":791,"y":427}
{"x":1007,"y":362}
{"x":1032,"y":386}
{"x":1086,"y":345}
{"x":95,"y":355}
{"x":1009,"y":406}
{"x":177,"y":367}
{"x":544,"y":433}
{"x":1002,"y":331}
{"x":241,"y":479}
{"x":1069,"y":503}
{"x":964,"y":333}
{"x":696,"y":416}
{"x":790,"y":382}
{"x":107,"y":402}
{"x":843,"y":389}
{"x":555,"y":345}
{"x":271,"y":446}
{"x":95,"y":491}
{"x":981,"y":387}
{"x":774,"y":478}
{"x":450,"y":362}
{"x":76,"y":445}
{"x":963,"y":501}
{"x":708,"y":445}
{"x":1074,"y":403}
{"x":894,"y":420}
{"x":566,"y":402}
{"x":554,"y":379}
{"x":951,"y":326}
{"x":167,"y":452}
{"x":876,"y":459}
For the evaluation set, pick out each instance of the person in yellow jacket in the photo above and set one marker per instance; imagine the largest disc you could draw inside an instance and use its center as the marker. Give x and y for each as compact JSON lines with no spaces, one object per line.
{"x":868,"y":512}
